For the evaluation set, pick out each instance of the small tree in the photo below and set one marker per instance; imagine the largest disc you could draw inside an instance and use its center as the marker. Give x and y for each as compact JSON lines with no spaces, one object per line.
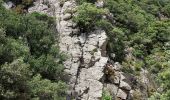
{"x":87,"y":16}
{"x":14,"y":79}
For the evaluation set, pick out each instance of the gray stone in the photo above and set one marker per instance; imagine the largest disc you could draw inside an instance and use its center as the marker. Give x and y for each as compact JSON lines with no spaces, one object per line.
{"x":8,"y":5}
{"x":92,"y":87}
{"x":117,"y":66}
{"x":67,"y":16}
{"x":124,"y":85}
{"x":116,"y":80}
{"x":102,"y":37}
{"x":121,"y":94}
{"x":99,"y":3}
{"x":112,"y":55}
{"x":39,"y":8}
{"x":122,"y":77}
{"x":112,"y":89}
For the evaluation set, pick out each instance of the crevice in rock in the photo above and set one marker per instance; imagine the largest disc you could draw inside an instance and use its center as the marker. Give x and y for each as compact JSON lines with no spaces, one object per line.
{"x":79,"y":70}
{"x":81,"y":65}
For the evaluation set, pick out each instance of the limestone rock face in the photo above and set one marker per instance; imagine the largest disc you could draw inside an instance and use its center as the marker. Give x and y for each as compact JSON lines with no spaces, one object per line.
{"x":85,"y":63}
{"x":87,"y":56}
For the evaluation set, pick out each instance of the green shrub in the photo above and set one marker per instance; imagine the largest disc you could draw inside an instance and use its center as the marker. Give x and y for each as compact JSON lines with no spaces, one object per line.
{"x":45,"y":89}
{"x":106,"y":96}
{"x":87,"y":16}
{"x":14,"y":77}
{"x":116,"y":44}
{"x":31,"y":64}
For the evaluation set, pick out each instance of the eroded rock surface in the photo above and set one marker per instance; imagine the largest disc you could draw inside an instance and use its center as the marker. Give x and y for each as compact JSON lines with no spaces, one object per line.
{"x":86,"y":63}
{"x":86,"y":51}
{"x":87,"y":56}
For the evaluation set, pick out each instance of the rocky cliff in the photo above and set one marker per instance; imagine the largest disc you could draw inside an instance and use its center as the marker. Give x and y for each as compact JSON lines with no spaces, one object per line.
{"x":88,"y":65}
{"x":86,"y":51}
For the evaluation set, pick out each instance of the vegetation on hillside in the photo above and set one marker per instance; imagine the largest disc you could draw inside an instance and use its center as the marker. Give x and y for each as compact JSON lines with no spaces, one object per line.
{"x":31,"y":65}
{"x":137,"y":27}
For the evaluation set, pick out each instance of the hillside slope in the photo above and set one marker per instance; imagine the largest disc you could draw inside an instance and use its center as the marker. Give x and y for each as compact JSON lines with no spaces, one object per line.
{"x":115,"y":49}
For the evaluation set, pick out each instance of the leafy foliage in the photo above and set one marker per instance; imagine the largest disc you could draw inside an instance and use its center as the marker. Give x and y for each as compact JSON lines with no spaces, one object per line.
{"x":14,"y":79}
{"x":87,"y":16}
{"x":139,"y":35}
{"x":146,"y":30}
{"x":106,"y":96}
{"x":31,"y":64}
{"x":45,"y":89}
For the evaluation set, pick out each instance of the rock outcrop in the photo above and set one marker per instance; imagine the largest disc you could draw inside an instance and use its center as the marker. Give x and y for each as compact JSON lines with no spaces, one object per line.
{"x":87,"y":63}
{"x":86,"y":51}
{"x":117,"y":80}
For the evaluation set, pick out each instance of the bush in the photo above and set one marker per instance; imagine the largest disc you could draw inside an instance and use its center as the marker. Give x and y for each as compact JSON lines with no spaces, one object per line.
{"x":43,"y":89}
{"x":14,"y":79}
{"x":12,"y":49}
{"x":116,"y":44}
{"x":31,"y":64}
{"x":87,"y":16}
{"x":40,"y":34}
{"x":106,"y":96}
{"x":12,"y":23}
